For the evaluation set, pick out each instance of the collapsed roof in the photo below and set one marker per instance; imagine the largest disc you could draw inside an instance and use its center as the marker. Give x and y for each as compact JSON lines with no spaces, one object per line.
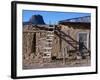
{"x":80,"y":22}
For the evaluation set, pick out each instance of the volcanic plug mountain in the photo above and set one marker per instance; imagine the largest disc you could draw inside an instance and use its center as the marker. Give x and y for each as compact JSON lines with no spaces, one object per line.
{"x":35,"y":19}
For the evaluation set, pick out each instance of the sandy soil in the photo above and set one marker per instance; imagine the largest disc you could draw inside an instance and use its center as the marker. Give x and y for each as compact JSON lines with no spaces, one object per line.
{"x":58,"y":64}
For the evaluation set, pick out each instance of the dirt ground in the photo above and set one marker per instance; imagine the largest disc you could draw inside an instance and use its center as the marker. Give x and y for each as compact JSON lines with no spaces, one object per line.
{"x":58,"y":64}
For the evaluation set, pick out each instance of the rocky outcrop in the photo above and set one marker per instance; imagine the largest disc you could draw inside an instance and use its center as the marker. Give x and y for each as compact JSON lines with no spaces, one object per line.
{"x":35,"y":19}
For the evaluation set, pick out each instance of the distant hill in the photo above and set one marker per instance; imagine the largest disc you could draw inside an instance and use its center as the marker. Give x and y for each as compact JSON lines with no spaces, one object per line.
{"x":35,"y":19}
{"x":84,"y":19}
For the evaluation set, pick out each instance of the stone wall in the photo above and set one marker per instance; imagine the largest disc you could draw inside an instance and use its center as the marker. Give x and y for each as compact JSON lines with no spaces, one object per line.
{"x":34,"y":42}
{"x":60,"y":47}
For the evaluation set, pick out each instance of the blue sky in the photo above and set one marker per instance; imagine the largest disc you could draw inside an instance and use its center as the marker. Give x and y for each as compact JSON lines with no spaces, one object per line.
{"x":51,"y":17}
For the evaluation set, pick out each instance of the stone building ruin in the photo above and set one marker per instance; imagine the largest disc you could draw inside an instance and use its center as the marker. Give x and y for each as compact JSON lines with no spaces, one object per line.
{"x":43,"y":43}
